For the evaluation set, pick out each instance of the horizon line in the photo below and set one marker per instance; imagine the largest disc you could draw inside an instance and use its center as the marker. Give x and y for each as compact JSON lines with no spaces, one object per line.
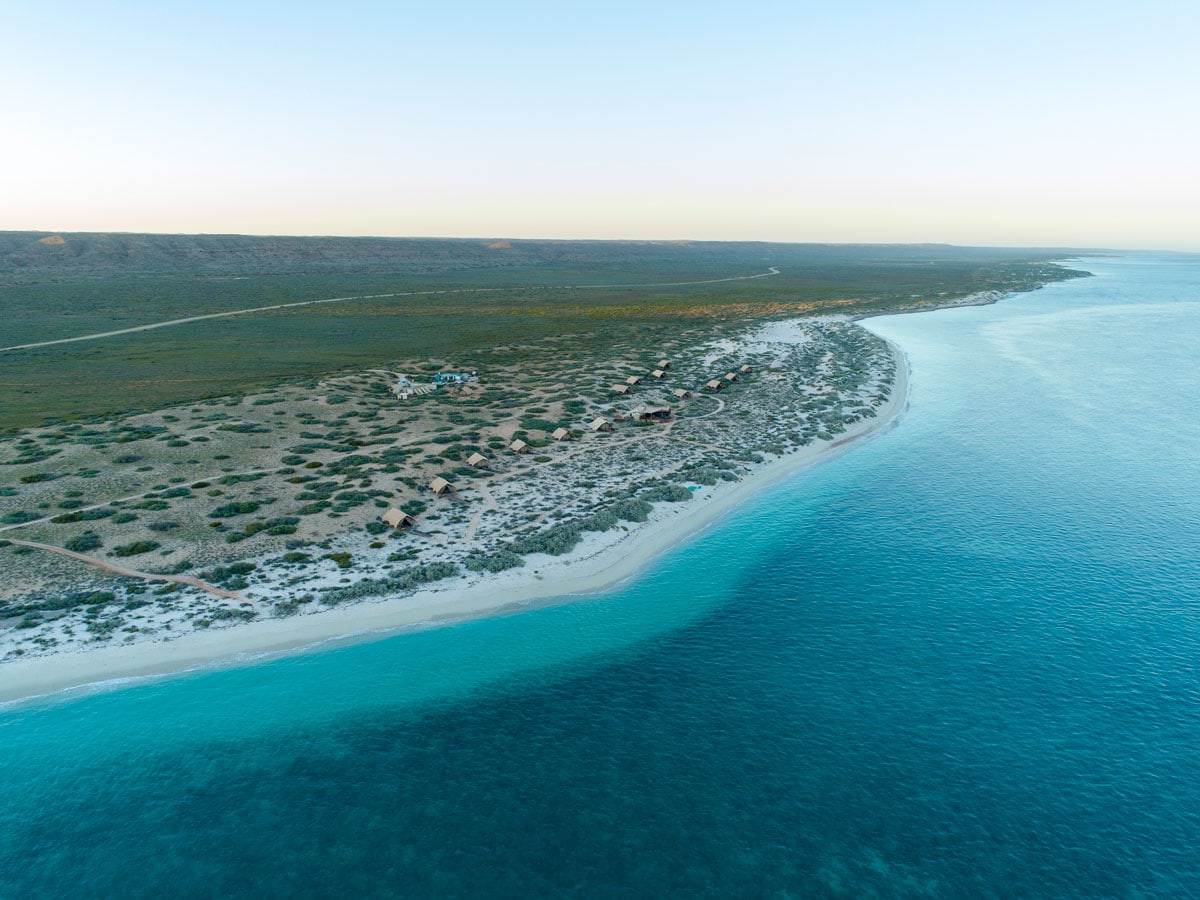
{"x":608,"y":240}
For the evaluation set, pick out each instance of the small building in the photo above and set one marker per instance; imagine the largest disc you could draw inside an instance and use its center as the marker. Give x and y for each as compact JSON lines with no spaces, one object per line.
{"x":561,"y":434}
{"x":654,"y":414}
{"x":479,"y":461}
{"x":715,"y":385}
{"x":731,"y":377}
{"x":682,"y":394}
{"x":634,"y":379}
{"x":657,"y":373}
{"x":621,"y":388}
{"x":441,"y":487}
{"x":664,"y":364}
{"x":600,"y":424}
{"x":746,"y":369}
{"x":519,"y":446}
{"x":398,"y":519}
{"x":442,"y":378}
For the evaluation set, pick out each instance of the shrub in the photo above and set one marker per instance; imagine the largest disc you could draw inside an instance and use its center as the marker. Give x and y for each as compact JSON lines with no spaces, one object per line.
{"x":404,"y":580}
{"x":84,"y":515}
{"x":231,"y":572}
{"x":342,"y":559}
{"x":556,"y":540}
{"x":83,"y":543}
{"x":137,"y":547}
{"x":239,"y":479}
{"x":631,"y":510}
{"x":668,"y":493}
{"x":599,"y":521}
{"x":240,"y":508}
{"x":495,"y":562}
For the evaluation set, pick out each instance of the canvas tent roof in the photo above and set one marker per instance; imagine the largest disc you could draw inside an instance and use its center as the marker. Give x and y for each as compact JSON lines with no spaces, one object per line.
{"x":653,"y":412}
{"x":397,"y":519}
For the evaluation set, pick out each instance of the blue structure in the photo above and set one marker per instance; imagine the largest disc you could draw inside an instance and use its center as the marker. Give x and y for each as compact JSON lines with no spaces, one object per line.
{"x":452,"y":378}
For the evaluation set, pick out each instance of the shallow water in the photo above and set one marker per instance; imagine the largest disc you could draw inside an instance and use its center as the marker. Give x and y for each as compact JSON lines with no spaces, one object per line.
{"x":960,"y":660}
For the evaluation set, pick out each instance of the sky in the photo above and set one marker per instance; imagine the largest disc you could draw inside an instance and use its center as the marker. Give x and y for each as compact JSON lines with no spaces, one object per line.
{"x":1026,"y":124}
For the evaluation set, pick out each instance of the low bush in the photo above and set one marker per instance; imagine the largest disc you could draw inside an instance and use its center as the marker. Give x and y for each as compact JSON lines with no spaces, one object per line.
{"x":667,"y":493}
{"x":239,"y":508}
{"x":403,"y":580}
{"x":136,"y":548}
{"x":555,"y":540}
{"x":494,"y":562}
{"x":83,"y":543}
{"x":631,"y":510}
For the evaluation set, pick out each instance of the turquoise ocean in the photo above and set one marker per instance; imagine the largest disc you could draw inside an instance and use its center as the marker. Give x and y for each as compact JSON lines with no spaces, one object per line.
{"x":960,"y":660}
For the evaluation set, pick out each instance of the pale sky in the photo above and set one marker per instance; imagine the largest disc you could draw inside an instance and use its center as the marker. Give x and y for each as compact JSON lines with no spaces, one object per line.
{"x":1049,"y":123}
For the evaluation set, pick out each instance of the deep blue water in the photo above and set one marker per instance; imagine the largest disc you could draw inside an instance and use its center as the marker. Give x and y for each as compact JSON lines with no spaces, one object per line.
{"x":960,"y":660}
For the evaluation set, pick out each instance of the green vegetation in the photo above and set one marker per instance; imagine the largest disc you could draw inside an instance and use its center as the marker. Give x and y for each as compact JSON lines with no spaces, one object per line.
{"x":136,"y":548}
{"x":83,"y":543}
{"x":96,"y":283}
{"x":234,"y":509}
{"x":323,"y":444}
{"x":404,"y":580}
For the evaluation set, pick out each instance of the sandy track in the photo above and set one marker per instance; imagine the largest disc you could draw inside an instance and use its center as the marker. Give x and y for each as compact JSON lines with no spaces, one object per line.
{"x":131,"y":573}
{"x":256,"y":309}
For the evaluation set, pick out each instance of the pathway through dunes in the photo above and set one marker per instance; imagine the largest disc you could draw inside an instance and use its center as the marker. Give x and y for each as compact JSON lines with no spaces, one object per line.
{"x":256,"y":309}
{"x":132,"y":573}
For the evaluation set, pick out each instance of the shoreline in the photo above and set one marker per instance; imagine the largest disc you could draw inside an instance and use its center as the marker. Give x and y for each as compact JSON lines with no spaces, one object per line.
{"x":602,"y":561}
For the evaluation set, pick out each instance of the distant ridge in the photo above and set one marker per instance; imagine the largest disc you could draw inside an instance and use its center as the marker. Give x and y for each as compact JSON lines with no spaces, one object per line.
{"x":33,"y":255}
